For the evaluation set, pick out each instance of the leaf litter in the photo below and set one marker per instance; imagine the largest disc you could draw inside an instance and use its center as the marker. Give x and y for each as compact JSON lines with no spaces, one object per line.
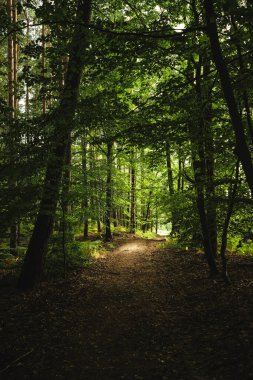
{"x":140,"y":313}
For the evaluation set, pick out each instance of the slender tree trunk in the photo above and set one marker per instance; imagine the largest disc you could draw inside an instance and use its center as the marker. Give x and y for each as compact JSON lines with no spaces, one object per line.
{"x":66,"y":183}
{"x":179,"y":174}
{"x":242,"y":150}
{"x":169,"y":168}
{"x":108,"y":233}
{"x":115,"y":218}
{"x":133,"y":200}
{"x":99,"y":226}
{"x":209,"y":157}
{"x":85,"y":188}
{"x":66,"y":180}
{"x":174,"y":227}
{"x":12,"y":103}
{"x":127,"y":215}
{"x":146,"y":224}
{"x":156,"y":219}
{"x":43,"y":37}
{"x":210,"y":198}
{"x":197,"y":138}
{"x":182,"y":181}
{"x":202,"y":216}
{"x":232,"y":194}
{"x":63,"y":124}
{"x":245,"y":97}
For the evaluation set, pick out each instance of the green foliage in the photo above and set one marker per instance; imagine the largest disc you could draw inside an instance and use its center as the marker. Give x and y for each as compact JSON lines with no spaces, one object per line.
{"x":138,"y":92}
{"x":78,"y":255}
{"x":146,"y":235}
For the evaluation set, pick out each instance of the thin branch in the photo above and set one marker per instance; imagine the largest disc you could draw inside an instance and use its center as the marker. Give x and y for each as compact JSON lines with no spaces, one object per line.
{"x":157,"y":34}
{"x":16,"y":360}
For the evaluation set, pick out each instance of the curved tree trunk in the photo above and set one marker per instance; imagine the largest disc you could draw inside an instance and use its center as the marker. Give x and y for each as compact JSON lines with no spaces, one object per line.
{"x":63,"y":124}
{"x":242,"y":150}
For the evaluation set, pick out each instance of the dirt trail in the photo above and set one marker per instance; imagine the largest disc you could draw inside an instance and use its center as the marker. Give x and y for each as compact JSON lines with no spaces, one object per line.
{"x":138,"y":313}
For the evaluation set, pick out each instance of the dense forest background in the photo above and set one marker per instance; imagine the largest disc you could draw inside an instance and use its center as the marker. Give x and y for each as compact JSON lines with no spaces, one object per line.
{"x":124,"y":116}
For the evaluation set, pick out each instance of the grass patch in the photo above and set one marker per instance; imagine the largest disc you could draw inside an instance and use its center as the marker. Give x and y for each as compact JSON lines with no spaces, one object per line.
{"x":146,"y":235}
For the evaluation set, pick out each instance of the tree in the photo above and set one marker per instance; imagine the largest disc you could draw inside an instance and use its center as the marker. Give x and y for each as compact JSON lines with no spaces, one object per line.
{"x":63,"y":119}
{"x":242,"y":149}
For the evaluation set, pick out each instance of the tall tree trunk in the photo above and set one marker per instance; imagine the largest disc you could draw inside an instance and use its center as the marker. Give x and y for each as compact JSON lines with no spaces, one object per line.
{"x":66,"y":182}
{"x":179,"y":173}
{"x":133,"y":199}
{"x":197,"y":138}
{"x":202,"y":216}
{"x":12,"y":103}
{"x":245,"y":97}
{"x":63,"y":124}
{"x":43,"y":64}
{"x":174,"y":225}
{"x":232,"y":194}
{"x":169,"y":168}
{"x":108,"y":233}
{"x":127,"y":214}
{"x":204,"y":98}
{"x":242,"y":150}
{"x":146,"y":224}
{"x":85,"y":188}
{"x":182,"y":181}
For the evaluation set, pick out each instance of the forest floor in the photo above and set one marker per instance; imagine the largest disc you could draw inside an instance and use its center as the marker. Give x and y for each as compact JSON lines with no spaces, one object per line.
{"x":138,"y":312}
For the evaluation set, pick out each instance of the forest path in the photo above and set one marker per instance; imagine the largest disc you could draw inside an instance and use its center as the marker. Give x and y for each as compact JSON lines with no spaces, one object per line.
{"x":139,"y":312}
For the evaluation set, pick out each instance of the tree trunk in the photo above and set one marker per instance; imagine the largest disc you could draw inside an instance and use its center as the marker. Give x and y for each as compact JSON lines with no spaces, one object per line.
{"x":85,"y":189}
{"x":197,"y":138}
{"x":204,"y":98}
{"x":133,"y":200}
{"x":63,"y":124}
{"x":108,"y":233}
{"x":169,"y":168}
{"x":66,"y":182}
{"x":202,"y":216}
{"x":232,"y":194}
{"x":43,"y":64}
{"x":146,"y":224}
{"x":245,"y":97}
{"x":12,"y":103}
{"x":179,"y":174}
{"x":242,"y":150}
{"x":174,"y":225}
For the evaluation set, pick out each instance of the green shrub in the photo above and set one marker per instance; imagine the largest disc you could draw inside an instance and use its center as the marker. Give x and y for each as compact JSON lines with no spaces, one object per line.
{"x":77,"y":255}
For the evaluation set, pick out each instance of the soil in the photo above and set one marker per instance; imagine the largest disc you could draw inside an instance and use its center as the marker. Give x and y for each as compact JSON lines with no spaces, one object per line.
{"x":138,"y":312}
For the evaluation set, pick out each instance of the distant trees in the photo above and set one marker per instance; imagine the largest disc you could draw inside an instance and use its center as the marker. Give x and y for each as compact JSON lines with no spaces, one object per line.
{"x":122,"y":123}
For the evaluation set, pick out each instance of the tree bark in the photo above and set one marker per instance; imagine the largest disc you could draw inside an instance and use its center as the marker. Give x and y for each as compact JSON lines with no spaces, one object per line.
{"x":85,"y":189}
{"x":202,"y":216}
{"x":242,"y":150}
{"x":133,"y":200}
{"x":169,"y":168}
{"x":63,"y":124}
{"x":174,"y":225}
{"x":197,"y":137}
{"x":209,"y":157}
{"x":108,"y":207}
{"x":245,"y":97}
{"x":232,"y":192}
{"x":146,"y":224}
{"x":12,"y":103}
